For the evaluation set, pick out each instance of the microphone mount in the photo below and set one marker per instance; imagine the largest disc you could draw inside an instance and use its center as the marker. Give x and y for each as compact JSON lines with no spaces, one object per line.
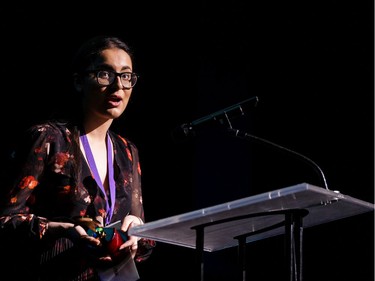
{"x":221,"y":117}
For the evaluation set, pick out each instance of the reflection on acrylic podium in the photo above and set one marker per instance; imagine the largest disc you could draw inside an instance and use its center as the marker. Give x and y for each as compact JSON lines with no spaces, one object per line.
{"x":284,"y":211}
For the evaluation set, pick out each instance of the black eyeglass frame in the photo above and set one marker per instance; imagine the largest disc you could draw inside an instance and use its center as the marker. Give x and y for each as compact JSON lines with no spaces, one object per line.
{"x":96,"y":72}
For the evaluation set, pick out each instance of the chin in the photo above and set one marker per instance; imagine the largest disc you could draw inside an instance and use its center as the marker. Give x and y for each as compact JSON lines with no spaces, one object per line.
{"x":115,"y":112}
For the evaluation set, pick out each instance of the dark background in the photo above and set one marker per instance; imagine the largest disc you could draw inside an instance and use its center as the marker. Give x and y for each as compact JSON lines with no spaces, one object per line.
{"x":310,"y":63}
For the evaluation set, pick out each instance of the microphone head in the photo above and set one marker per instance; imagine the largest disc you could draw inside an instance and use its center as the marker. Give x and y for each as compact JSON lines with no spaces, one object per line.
{"x":183,"y":132}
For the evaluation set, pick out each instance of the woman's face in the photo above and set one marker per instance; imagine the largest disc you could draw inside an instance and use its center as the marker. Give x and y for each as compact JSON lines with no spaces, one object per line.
{"x":106,"y":102}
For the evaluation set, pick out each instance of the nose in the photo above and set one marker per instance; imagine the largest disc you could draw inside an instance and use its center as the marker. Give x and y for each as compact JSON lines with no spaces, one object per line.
{"x":118,"y":83}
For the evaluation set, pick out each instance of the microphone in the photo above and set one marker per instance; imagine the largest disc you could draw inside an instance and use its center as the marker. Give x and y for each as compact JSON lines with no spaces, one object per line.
{"x":225,"y":115}
{"x":221,"y":117}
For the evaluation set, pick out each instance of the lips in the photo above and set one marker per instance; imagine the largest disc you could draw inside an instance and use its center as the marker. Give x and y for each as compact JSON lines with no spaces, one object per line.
{"x":114,"y":101}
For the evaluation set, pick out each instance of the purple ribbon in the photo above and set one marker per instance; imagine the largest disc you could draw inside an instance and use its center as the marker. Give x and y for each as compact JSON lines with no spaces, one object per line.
{"x":94,"y":170}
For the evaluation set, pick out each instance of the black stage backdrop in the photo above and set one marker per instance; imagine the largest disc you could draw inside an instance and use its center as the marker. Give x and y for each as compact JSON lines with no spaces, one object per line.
{"x":310,"y":63}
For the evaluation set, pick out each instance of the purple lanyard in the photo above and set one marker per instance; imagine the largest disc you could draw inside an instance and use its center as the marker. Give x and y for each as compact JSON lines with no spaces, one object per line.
{"x":94,"y":170}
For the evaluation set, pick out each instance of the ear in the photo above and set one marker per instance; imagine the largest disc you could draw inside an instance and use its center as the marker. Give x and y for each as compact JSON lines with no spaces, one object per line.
{"x":77,"y":81}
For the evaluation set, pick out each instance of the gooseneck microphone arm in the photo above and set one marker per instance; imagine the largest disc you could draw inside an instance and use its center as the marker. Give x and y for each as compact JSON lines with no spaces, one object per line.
{"x":238,"y":133}
{"x":224,"y":116}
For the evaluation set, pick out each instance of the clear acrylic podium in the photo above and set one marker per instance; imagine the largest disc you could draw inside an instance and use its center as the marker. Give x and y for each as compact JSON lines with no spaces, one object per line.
{"x":284,"y":211}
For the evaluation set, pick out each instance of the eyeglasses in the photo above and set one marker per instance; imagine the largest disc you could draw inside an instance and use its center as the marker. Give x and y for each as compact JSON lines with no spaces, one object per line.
{"x":107,"y":78}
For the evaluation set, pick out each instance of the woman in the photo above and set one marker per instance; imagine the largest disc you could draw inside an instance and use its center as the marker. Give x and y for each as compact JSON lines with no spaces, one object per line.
{"x":74,"y":180}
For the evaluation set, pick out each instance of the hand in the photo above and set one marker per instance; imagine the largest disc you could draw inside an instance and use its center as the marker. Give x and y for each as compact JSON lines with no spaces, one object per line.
{"x":132,"y":243}
{"x":92,"y":247}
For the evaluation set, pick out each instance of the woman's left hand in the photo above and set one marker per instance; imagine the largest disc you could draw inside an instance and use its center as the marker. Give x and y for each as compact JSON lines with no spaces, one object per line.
{"x":132,"y":242}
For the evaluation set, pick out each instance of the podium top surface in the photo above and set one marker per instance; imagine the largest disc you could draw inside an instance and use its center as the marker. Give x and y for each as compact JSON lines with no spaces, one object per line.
{"x":254,"y":214}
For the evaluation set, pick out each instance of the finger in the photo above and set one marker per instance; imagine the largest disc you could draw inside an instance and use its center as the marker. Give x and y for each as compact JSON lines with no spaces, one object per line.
{"x":91,"y":240}
{"x":129,"y":243}
{"x":105,"y":259}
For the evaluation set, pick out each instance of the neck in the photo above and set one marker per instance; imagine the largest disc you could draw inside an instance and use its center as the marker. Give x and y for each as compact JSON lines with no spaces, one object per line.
{"x":97,"y":131}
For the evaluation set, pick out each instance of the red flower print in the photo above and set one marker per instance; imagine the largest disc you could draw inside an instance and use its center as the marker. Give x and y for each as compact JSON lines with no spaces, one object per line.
{"x":61,"y":158}
{"x":124,"y":140}
{"x":102,"y":212}
{"x":65,"y":189}
{"x":29,"y":182}
{"x":129,"y":154}
{"x":60,"y":161}
{"x":139,"y":168}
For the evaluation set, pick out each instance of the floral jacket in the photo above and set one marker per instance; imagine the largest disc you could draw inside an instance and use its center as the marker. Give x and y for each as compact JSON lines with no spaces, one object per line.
{"x":52,"y":181}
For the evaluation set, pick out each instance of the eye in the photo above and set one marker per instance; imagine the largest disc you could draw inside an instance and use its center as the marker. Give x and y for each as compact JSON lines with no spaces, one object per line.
{"x":103,"y":74}
{"x":126,"y":76}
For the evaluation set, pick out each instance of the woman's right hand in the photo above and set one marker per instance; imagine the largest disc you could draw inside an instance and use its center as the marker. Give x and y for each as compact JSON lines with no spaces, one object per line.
{"x":76,"y":233}
{"x":67,"y":229}
{"x":90,"y":245}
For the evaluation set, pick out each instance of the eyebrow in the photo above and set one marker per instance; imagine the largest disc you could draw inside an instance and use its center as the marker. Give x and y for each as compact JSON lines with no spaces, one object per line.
{"x":109,"y":67}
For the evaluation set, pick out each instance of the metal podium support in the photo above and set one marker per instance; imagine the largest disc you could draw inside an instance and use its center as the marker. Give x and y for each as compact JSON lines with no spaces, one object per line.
{"x":293,"y":238}
{"x":286,"y":211}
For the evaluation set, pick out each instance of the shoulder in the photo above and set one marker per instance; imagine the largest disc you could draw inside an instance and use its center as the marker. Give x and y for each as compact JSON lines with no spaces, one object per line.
{"x":43,"y":138}
{"x":52,"y":130}
{"x":122,"y":141}
{"x":129,"y":149}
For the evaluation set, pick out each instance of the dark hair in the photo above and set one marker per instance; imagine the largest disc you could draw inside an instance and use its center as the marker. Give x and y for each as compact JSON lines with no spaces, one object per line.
{"x":92,"y":48}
